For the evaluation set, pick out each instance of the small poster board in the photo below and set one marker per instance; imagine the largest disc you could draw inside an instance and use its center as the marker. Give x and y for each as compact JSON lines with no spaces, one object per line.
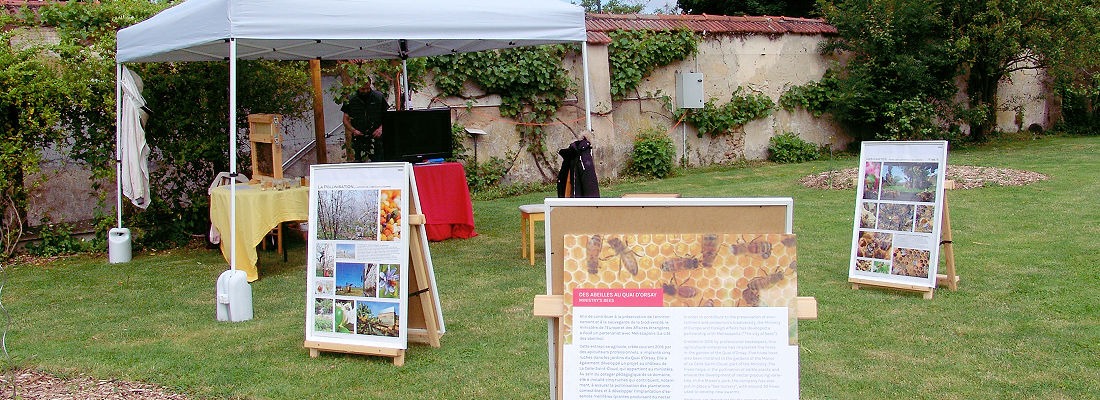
{"x":898,"y":216}
{"x":671,"y":298}
{"x":365,"y":262}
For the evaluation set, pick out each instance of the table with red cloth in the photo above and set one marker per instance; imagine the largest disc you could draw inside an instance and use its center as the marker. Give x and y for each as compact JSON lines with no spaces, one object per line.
{"x":445,"y":201}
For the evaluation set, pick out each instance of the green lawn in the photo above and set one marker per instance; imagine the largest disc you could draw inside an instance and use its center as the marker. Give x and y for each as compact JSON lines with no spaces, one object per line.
{"x":1024,"y":324}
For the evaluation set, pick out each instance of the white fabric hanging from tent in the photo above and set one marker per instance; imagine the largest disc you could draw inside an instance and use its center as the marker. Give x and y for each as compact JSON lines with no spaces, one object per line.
{"x":133,"y":150}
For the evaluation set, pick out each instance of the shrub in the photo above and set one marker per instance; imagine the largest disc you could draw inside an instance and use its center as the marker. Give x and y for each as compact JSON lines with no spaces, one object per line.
{"x":56,"y":240}
{"x":653,"y":154}
{"x":789,"y":148}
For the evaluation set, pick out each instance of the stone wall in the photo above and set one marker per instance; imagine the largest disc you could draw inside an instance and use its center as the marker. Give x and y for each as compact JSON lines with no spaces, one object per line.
{"x":769,"y":64}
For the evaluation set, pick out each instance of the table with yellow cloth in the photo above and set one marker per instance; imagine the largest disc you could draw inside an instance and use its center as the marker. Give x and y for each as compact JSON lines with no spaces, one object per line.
{"x":258,"y":212}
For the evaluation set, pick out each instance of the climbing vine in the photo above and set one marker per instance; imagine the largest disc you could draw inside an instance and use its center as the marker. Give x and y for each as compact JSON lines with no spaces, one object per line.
{"x":815,"y":97}
{"x":531,"y":82}
{"x":635,"y":54}
{"x":715,"y":119}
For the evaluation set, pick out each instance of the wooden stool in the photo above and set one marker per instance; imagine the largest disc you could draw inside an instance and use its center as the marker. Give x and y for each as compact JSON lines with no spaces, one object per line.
{"x":528,"y":215}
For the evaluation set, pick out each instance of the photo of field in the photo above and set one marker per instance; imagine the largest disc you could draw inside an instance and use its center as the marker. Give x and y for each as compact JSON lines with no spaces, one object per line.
{"x":347,"y":215}
{"x":351,"y":277}
{"x":909,"y":182}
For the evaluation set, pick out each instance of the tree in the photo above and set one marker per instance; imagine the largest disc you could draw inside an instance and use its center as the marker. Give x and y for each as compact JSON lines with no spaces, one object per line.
{"x":905,"y":56}
{"x":60,"y":95}
{"x":786,"y":8}
{"x":613,"y":6}
{"x":900,"y":69}
{"x":998,"y":37}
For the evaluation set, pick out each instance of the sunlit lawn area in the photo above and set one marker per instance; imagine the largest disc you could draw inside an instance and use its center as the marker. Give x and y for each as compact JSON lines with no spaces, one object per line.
{"x":1024,"y":324}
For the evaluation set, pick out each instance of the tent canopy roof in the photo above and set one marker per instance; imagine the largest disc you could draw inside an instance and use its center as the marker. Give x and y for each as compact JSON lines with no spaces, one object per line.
{"x":196,"y":30}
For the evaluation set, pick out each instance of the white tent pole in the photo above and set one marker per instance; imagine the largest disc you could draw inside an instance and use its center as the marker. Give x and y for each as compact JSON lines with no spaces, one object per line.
{"x":587,"y":88}
{"x":404,"y":85}
{"x":118,"y":140}
{"x":233,"y":153}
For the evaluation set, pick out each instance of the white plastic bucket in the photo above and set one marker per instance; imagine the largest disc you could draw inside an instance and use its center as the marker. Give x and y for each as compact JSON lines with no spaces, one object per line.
{"x":118,"y":245}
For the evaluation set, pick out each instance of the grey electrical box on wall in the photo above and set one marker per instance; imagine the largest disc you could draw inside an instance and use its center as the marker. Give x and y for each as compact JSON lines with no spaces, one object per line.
{"x":689,"y":90}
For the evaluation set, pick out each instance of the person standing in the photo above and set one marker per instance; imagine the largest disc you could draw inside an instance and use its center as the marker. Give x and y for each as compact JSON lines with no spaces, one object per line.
{"x":363,"y":119}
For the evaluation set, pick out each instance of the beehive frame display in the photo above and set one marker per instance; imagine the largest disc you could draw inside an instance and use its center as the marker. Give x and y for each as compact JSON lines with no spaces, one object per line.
{"x":740,"y":227}
{"x":266,"y":138}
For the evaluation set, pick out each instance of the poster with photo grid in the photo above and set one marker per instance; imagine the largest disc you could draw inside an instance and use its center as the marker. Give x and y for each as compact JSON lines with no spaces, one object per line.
{"x":356,"y":291}
{"x":899,"y":203}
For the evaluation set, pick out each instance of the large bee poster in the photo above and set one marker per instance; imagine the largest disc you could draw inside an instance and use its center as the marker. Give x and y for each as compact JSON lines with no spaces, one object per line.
{"x":358,"y":255}
{"x":699,"y":315}
{"x":899,"y":203}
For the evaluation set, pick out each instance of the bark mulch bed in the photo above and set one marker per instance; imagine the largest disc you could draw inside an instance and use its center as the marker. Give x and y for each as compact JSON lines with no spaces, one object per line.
{"x":966,"y":177}
{"x":34,"y":385}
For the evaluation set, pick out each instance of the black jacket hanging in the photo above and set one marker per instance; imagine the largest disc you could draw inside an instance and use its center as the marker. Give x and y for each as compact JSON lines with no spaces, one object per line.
{"x":577,"y":176}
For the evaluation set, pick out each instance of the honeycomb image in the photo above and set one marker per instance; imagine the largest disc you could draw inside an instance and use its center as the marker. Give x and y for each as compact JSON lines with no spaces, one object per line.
{"x":692,"y":270}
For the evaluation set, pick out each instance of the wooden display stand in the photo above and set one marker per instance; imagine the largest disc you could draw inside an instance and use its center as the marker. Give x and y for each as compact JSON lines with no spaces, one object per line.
{"x":266,"y":139}
{"x":425,"y":321}
{"x":646,"y":216}
{"x":949,"y":279}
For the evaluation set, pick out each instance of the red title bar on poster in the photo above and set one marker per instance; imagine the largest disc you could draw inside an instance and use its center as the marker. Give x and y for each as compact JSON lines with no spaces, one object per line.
{"x":617,"y":298}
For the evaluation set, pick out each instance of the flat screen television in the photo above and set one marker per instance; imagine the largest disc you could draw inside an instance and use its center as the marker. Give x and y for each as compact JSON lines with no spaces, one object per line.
{"x":416,"y":135}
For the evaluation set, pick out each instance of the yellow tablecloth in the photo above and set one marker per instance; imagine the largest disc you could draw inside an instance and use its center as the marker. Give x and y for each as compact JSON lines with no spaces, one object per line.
{"x":258,"y":212}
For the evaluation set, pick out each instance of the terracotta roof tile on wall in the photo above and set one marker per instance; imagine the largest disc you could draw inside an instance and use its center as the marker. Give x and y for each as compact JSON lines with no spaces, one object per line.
{"x":598,"y":25}
{"x":12,"y":6}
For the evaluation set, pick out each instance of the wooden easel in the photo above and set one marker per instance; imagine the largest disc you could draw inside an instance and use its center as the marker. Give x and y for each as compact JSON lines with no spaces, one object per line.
{"x":425,"y":320}
{"x":949,"y":279}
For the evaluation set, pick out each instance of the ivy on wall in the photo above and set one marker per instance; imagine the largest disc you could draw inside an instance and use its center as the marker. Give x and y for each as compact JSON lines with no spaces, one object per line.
{"x":531,"y":82}
{"x":633,"y":55}
{"x":815,"y":97}
{"x":718,"y":119}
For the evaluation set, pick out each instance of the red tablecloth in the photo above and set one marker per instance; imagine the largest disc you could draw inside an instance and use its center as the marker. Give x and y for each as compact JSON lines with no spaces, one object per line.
{"x":445,"y":201}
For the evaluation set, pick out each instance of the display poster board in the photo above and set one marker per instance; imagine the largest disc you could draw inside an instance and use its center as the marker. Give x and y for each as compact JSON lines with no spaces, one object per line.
{"x":358,"y":269}
{"x":673,"y":298}
{"x":899,"y":209}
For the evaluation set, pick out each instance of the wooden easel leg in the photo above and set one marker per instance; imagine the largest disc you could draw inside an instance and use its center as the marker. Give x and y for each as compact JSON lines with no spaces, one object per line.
{"x":314,"y":353}
{"x":531,"y":242}
{"x":399,"y":360}
{"x":928,"y":294}
{"x":948,"y":246}
{"x":523,"y":234}
{"x":419,"y":267}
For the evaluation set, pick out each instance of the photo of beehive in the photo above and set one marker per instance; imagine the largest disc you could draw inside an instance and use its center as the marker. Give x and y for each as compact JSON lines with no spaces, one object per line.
{"x":926,"y":216}
{"x":691,"y":270}
{"x":874,"y":245}
{"x":910,"y":262}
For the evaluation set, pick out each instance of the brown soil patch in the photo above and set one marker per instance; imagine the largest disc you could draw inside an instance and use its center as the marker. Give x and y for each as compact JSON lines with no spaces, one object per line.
{"x":965,"y":177}
{"x":34,"y":385}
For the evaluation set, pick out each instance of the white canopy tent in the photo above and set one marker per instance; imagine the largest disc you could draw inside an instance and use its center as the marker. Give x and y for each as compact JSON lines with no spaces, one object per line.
{"x":228,"y":30}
